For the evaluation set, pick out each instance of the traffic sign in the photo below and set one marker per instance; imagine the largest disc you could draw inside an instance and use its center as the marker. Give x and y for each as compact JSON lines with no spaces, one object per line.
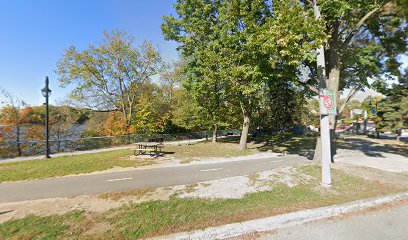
{"x":328,"y":104}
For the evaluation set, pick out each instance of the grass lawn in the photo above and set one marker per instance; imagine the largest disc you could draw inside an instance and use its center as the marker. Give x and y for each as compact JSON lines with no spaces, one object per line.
{"x":60,"y":166}
{"x":86,"y":163}
{"x":133,"y":221}
{"x":208,"y":149}
{"x":292,"y":144}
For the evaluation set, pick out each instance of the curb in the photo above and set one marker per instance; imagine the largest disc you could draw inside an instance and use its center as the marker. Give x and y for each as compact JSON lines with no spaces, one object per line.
{"x":281,"y":221}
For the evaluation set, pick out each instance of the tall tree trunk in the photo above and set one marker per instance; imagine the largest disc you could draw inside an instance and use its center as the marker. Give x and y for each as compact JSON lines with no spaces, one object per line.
{"x":399,"y":133}
{"x":335,"y":74}
{"x":214,"y":133}
{"x":245,"y":129}
{"x":333,"y":81}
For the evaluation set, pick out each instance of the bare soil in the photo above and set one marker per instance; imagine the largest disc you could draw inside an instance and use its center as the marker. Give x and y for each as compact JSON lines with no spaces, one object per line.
{"x":372,"y":174}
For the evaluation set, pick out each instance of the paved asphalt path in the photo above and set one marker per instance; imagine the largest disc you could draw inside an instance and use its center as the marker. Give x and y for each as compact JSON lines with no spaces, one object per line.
{"x":137,"y":179}
{"x":385,"y":224}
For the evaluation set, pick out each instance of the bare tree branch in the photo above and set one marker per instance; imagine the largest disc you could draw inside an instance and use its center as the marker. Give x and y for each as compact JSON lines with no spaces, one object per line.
{"x":360,"y":23}
{"x":353,"y":91}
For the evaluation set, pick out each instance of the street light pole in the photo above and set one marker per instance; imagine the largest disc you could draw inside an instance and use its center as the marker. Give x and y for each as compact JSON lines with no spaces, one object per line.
{"x":324,"y":117}
{"x":46,"y":93}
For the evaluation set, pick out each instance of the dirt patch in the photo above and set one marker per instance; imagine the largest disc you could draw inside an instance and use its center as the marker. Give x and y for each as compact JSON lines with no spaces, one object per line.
{"x":186,"y":161}
{"x":373,"y":174}
{"x":137,"y":193}
{"x":288,"y":176}
{"x":191,"y":188}
{"x":98,"y":228}
{"x":234,"y":187}
{"x":100,"y":203}
{"x":55,"y":206}
{"x":237,"y":187}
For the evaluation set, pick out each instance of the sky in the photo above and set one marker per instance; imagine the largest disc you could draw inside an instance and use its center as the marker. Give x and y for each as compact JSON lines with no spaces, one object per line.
{"x":34,"y":35}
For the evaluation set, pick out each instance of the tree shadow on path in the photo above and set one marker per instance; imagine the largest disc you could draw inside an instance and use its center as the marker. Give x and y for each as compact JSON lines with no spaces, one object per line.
{"x":305,"y":146}
{"x":372,"y":148}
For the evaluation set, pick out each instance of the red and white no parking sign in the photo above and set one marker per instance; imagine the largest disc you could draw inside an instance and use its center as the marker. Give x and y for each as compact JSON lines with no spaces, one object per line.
{"x":328,"y":102}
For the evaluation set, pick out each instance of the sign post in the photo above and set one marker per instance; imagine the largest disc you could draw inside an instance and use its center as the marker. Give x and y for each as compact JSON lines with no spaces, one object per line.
{"x":328,"y":107}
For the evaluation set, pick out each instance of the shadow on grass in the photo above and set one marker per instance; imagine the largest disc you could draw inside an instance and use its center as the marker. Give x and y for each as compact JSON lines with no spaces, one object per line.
{"x":303,"y":145}
{"x":229,"y":139}
{"x":371,"y":148}
{"x":291,"y":144}
{"x":167,"y":152}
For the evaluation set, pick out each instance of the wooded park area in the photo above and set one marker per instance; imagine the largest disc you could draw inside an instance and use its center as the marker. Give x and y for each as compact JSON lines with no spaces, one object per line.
{"x":243,"y":64}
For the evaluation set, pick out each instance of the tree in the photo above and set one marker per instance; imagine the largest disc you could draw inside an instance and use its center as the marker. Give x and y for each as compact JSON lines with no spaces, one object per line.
{"x":283,"y":107}
{"x":13,"y":116}
{"x":210,"y":91}
{"x":393,"y":110}
{"x":12,"y":120}
{"x":110,"y":76}
{"x":115,"y":125}
{"x":312,"y":113}
{"x":168,"y":95}
{"x":187,"y":113}
{"x":201,"y":53}
{"x":365,"y":40}
{"x":241,"y":43}
{"x":94,"y":124}
{"x":61,"y":123}
{"x":170,"y":80}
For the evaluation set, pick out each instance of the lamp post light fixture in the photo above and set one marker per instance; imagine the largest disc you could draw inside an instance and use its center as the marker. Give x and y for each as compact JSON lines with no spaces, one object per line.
{"x":46,"y":92}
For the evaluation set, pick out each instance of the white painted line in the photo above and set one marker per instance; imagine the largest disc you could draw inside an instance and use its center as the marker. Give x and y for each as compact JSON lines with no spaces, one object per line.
{"x":277,"y":161}
{"x":119,"y":179}
{"x":208,"y":170}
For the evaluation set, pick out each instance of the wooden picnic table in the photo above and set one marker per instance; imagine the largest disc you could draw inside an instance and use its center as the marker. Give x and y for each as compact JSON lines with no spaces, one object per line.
{"x":151,"y":148}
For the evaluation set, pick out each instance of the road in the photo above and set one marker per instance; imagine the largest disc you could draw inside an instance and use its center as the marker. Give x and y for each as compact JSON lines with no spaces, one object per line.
{"x":388,"y":223}
{"x":137,"y":179}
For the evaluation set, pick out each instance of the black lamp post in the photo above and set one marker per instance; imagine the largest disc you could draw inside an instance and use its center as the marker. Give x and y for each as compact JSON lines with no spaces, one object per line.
{"x":46,"y":92}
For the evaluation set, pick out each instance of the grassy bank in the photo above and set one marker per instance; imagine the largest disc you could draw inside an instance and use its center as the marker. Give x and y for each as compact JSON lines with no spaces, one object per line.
{"x":60,"y":166}
{"x":133,"y":221}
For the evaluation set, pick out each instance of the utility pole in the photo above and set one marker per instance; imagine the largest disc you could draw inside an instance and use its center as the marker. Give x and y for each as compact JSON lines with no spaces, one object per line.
{"x":324,"y":117}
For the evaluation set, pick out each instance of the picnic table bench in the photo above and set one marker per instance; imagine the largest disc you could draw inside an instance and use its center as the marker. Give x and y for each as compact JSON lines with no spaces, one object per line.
{"x":154,"y":149}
